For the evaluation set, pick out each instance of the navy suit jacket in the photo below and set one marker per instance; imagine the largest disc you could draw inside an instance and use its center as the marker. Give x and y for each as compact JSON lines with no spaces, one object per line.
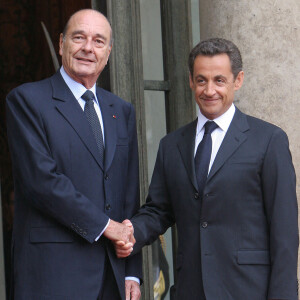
{"x":242,"y":233}
{"x":64,"y":195}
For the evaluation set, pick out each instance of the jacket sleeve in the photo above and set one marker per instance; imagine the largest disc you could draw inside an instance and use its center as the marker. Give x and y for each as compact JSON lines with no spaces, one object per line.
{"x":279,"y":192}
{"x":156,"y":215}
{"x":35,"y":170}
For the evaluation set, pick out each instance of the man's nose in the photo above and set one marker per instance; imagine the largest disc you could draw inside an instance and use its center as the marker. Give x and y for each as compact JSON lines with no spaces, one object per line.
{"x":88,"y":45}
{"x":209,"y":89}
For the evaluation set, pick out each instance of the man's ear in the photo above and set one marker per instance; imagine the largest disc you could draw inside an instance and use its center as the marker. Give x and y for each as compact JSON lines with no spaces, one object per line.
{"x":191,"y":82}
{"x":61,"y":41}
{"x":239,"y":81}
{"x":109,"y":51}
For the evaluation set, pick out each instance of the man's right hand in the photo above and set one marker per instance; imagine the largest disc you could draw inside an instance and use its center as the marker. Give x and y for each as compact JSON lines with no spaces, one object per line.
{"x":120,"y":233}
{"x":122,"y":248}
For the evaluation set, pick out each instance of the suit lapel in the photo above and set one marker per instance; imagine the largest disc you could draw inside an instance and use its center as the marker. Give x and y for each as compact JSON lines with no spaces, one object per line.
{"x":68,"y":106}
{"x":234,"y":137}
{"x":186,"y":145}
{"x":109,"y":117}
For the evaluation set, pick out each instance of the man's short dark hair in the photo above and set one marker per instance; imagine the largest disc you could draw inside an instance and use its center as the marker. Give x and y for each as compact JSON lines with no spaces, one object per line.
{"x":215,"y":46}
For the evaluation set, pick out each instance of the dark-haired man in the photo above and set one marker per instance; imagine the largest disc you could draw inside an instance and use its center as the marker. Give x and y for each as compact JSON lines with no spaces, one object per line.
{"x":228,"y":181}
{"x":75,"y":163}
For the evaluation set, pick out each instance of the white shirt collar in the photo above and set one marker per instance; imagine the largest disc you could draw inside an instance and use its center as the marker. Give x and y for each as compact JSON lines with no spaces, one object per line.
{"x":76,"y":88}
{"x":223,"y":121}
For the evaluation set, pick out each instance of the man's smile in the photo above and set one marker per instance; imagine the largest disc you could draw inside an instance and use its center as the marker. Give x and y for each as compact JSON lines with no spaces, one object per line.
{"x":85,"y":59}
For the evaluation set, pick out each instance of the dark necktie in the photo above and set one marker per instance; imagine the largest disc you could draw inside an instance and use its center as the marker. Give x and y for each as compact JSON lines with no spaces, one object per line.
{"x":93,"y":119}
{"x":203,"y":154}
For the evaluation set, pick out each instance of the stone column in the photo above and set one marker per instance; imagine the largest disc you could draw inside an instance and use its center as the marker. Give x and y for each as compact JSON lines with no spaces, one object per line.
{"x":268,"y":34}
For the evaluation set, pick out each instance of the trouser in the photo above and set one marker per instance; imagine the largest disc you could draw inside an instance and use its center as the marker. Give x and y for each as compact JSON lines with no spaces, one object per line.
{"x":109,"y":289}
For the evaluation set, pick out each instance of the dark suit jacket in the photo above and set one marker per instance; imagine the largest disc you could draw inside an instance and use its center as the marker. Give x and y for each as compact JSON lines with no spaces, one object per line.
{"x":64,"y":195}
{"x":245,"y":223}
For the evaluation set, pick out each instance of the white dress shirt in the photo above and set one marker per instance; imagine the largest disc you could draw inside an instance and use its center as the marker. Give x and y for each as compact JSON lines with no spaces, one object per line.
{"x":78,"y":90}
{"x":217,"y":135}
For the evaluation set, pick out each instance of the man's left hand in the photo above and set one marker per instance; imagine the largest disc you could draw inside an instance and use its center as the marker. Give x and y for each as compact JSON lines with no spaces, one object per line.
{"x":124,"y":249}
{"x":132,"y":290}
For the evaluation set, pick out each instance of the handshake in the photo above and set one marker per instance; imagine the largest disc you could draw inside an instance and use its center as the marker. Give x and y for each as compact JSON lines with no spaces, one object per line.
{"x":121,"y":235}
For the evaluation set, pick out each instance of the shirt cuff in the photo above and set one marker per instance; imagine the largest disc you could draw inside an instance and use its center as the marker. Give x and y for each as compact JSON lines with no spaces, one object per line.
{"x":98,"y":237}
{"x":133,"y":278}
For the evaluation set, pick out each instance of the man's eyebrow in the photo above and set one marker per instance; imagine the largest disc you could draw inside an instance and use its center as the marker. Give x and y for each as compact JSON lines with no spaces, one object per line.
{"x":101,"y":36}
{"x":221,"y":76}
{"x":77,"y":32}
{"x":83,"y":32}
{"x":200,"y":76}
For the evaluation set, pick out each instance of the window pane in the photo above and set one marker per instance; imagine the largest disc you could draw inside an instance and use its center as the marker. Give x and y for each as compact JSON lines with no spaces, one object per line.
{"x":151,"y":40}
{"x":195,"y":21}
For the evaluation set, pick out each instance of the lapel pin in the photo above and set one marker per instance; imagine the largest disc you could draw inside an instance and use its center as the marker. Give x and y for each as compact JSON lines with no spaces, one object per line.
{"x":114,"y":116}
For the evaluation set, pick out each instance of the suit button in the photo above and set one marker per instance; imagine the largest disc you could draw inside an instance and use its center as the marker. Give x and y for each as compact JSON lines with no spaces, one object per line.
{"x":196,"y":196}
{"x":107,"y":206}
{"x":106,"y":177}
{"x":73,"y":225}
{"x":204,"y":224}
{"x":84,"y":233}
